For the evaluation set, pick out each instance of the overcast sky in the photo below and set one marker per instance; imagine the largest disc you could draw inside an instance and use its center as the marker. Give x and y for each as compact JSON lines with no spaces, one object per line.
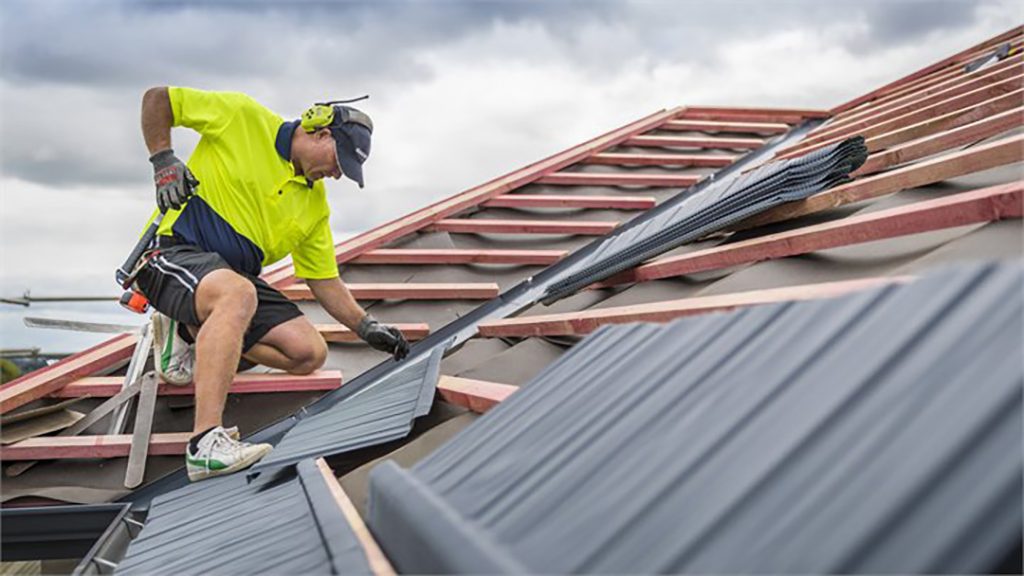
{"x":460,"y":92}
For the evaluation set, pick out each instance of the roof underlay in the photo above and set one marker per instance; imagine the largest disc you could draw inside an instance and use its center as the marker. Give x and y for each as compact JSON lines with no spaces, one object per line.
{"x":942,"y":186}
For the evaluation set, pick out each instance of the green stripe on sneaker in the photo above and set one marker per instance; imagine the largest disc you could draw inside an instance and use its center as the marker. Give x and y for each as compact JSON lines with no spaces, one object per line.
{"x":165,"y":358}
{"x":209,"y":464}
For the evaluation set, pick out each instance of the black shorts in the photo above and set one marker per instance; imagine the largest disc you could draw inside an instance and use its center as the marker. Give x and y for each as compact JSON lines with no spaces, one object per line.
{"x":169,"y":280}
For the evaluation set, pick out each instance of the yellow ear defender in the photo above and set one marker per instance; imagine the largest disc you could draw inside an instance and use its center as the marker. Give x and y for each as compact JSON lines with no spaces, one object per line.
{"x":321,"y":115}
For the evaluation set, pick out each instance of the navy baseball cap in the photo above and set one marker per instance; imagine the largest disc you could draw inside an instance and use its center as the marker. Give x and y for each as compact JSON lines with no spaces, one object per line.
{"x":352,"y":130}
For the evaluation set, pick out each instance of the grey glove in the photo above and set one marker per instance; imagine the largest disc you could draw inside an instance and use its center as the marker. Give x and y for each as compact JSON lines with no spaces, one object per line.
{"x":174,"y":181}
{"x":384,"y":338}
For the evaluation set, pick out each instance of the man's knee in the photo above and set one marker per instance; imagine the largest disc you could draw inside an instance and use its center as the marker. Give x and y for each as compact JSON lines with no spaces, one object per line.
{"x":226,"y":293}
{"x":310,"y":357}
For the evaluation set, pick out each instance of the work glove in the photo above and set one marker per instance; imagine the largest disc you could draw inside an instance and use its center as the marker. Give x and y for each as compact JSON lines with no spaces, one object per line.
{"x":384,"y":338}
{"x":174,"y":181}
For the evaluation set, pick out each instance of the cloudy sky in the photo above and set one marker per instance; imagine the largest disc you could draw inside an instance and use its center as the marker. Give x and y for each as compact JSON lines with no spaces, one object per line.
{"x":460,"y":92}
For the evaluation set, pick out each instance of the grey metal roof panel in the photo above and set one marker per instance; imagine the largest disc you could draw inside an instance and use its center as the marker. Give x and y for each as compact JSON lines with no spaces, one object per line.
{"x":878,"y":432}
{"x":714,"y":207}
{"x":288,"y":524}
{"x":378,"y":413}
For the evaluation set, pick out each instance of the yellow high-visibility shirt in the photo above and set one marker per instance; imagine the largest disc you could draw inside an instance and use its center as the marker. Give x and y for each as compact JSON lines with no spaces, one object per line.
{"x":250,"y":206}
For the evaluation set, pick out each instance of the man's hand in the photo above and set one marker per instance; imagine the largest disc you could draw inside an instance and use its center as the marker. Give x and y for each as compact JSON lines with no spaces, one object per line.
{"x":174,"y":181}
{"x":384,"y":338}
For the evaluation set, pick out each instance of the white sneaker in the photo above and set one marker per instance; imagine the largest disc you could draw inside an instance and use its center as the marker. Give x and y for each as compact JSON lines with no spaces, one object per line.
{"x":174,"y":358}
{"x":219,"y":453}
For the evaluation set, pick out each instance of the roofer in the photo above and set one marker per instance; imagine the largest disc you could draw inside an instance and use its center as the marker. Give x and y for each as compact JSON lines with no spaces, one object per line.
{"x":258,"y":197}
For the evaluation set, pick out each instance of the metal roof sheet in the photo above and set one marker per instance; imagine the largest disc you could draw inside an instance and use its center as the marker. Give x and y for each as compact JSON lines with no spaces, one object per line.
{"x":382,"y":411}
{"x":288,"y":524}
{"x":878,"y":432}
{"x":722,"y":203}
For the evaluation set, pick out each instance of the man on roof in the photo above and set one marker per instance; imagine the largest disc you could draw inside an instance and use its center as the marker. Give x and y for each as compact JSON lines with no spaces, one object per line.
{"x":250,"y":195}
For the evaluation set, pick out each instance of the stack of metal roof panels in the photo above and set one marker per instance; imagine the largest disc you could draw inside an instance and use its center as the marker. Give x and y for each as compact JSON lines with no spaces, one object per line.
{"x":380,"y":412}
{"x":878,"y":432}
{"x":280,"y":525}
{"x":714,"y":208}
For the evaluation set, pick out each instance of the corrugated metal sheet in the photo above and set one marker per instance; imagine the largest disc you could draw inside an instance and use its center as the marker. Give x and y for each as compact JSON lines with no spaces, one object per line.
{"x":717,"y":206}
{"x":287,"y":524}
{"x":378,"y":413}
{"x":878,"y":432}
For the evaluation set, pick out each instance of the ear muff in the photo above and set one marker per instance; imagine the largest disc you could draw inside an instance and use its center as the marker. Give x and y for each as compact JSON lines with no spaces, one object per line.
{"x":321,"y":115}
{"x":317,"y":117}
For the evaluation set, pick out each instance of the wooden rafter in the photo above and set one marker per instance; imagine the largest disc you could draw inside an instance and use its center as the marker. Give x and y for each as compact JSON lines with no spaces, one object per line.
{"x":955,"y":59}
{"x":459,"y":256}
{"x":738,"y":127}
{"x":375,"y":558}
{"x":1000,"y":153}
{"x":693,"y":142}
{"x":483,"y":226}
{"x":620,"y":202}
{"x":105,"y":387}
{"x":39,"y":383}
{"x":697,"y":160}
{"x":341,"y":334}
{"x":956,"y":103}
{"x":977,"y":206}
{"x":615,"y":179}
{"x":406,"y":291}
{"x":476,"y":395}
{"x":576,"y":323}
{"x":962,"y":136}
{"x":728,"y":114}
{"x":1000,"y":81}
{"x":107,"y":446}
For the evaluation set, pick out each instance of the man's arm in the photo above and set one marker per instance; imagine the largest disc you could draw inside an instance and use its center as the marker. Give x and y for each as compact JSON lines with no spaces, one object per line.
{"x":335,"y":297}
{"x":174,"y":181}
{"x":157,"y":119}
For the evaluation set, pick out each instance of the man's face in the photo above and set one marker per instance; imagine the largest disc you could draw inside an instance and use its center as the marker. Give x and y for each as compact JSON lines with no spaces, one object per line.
{"x":323,"y":158}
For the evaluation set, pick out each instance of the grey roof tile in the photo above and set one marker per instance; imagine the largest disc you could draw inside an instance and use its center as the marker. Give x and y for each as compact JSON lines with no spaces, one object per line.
{"x":284,"y":524}
{"x":878,"y":432}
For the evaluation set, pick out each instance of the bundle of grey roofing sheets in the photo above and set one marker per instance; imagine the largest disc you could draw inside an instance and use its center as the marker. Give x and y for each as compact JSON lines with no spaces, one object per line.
{"x":714,"y":208}
{"x":378,"y":413}
{"x":288,"y":524}
{"x":874,"y":433}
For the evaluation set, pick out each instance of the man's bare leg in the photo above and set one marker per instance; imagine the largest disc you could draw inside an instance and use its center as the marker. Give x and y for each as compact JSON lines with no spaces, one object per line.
{"x":294,"y":346}
{"x":225,"y":304}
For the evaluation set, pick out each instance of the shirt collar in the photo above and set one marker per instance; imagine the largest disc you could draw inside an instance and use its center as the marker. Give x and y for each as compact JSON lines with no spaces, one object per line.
{"x":283,"y":144}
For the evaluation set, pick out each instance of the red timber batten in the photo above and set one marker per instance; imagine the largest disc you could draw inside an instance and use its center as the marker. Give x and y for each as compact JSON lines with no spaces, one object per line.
{"x":341,"y":334}
{"x":407,"y":291}
{"x":957,"y":58}
{"x":560,"y":201}
{"x":39,"y":383}
{"x":977,"y":206}
{"x":954,"y":119}
{"x":416,"y":221}
{"x":729,"y":114}
{"x":977,"y":103}
{"x":482,"y":226}
{"x":459,"y":256}
{"x":115,"y":446}
{"x":476,"y":395}
{"x":593,"y":179}
{"x":922,"y":83}
{"x":375,"y":558}
{"x":737,"y":127}
{"x":696,"y":160}
{"x":692,"y":142}
{"x":577,"y":323}
{"x":971,"y":91}
{"x":964,"y":135}
{"x":999,"y":153}
{"x":105,"y":387}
